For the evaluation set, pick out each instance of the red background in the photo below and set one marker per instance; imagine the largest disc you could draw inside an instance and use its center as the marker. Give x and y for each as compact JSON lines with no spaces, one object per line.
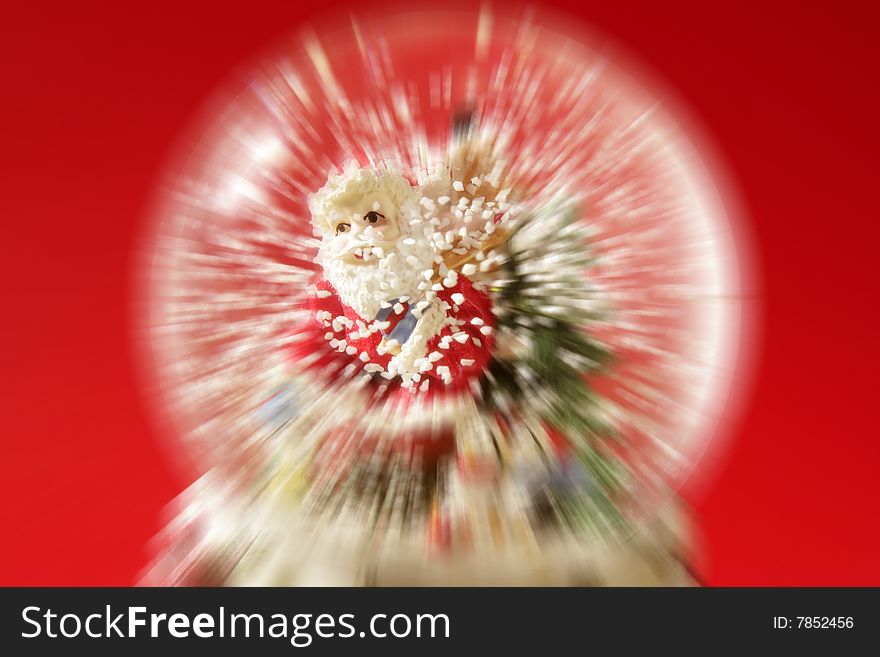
{"x":94,"y":96}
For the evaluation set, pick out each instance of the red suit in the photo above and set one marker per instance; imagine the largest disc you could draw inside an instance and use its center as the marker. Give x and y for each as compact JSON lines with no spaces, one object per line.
{"x":474,"y":348}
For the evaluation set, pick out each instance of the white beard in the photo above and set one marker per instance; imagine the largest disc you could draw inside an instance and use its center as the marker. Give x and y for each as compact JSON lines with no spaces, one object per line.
{"x":364,"y":287}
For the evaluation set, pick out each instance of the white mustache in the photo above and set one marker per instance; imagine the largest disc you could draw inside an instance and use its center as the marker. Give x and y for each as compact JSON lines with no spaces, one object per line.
{"x":361,"y":248}
{"x":366,"y":251}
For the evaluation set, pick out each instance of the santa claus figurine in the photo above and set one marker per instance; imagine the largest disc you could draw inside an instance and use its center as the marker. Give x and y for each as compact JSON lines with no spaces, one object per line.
{"x":394,"y":303}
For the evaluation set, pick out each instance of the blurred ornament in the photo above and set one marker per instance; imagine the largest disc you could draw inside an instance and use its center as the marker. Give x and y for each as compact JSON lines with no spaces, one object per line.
{"x":417,"y":288}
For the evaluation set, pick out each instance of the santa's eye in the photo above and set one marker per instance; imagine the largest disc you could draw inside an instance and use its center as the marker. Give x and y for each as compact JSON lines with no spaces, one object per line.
{"x":373,"y":216}
{"x":342,"y":228}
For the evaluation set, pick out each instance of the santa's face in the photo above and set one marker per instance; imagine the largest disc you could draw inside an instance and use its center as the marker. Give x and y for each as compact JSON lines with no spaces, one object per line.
{"x":363,"y":228}
{"x":370,"y":253}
